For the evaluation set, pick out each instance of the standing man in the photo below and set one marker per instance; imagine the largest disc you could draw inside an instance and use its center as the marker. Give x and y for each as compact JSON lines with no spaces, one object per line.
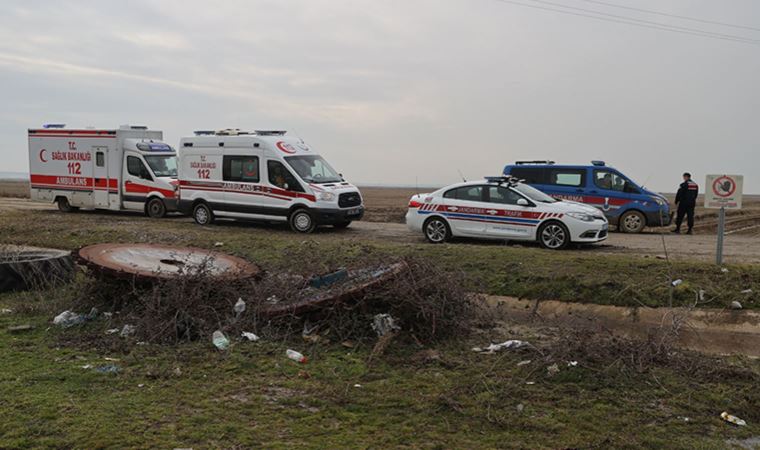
{"x":686,"y":199}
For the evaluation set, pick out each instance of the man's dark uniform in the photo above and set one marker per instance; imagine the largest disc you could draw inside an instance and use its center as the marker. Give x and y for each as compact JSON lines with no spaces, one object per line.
{"x":686,"y":199}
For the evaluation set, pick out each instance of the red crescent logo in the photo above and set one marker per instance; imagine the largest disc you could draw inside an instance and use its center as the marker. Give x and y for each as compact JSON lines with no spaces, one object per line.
{"x":42,"y":155}
{"x":285,"y":147}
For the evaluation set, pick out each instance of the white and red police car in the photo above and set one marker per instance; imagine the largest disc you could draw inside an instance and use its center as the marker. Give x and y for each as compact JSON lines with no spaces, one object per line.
{"x":506,"y":209}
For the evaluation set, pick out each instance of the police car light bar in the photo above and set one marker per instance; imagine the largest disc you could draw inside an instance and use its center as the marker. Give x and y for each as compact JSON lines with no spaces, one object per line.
{"x":519,"y":163}
{"x":54,"y":125}
{"x":504,"y":179}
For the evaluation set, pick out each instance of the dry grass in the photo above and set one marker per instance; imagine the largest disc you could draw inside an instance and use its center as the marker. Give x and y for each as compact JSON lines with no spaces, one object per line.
{"x":13,"y":188}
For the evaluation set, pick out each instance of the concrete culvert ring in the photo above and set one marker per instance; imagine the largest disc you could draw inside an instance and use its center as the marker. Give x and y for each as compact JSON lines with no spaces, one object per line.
{"x":23,"y":268}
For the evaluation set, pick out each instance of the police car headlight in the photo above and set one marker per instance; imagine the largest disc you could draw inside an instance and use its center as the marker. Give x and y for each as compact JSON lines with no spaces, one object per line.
{"x":326,"y":196}
{"x":581,"y":216}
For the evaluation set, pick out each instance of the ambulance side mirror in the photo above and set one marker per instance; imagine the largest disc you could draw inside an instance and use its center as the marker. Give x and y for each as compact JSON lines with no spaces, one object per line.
{"x":522,"y":202}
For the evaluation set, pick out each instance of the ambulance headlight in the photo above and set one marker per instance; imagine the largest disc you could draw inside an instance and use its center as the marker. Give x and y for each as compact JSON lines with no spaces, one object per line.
{"x":581,"y":216}
{"x":326,"y":196}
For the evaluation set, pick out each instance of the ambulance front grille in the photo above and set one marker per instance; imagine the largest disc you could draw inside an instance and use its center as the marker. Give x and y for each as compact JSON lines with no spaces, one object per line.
{"x":349,"y":199}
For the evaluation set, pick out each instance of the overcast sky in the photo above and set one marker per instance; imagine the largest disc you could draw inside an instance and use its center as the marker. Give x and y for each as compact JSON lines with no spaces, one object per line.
{"x":399,"y":91}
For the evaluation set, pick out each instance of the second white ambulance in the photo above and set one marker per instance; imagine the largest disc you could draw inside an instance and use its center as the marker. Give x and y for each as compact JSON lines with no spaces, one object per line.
{"x":262,"y":175}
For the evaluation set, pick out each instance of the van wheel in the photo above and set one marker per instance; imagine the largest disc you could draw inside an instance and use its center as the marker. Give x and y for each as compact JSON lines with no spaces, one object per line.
{"x":65,"y":206}
{"x":632,"y":222}
{"x":342,"y":225}
{"x":202,"y":214}
{"x":436,"y":230}
{"x":155,"y":208}
{"x":302,"y":221}
{"x":553,"y":235}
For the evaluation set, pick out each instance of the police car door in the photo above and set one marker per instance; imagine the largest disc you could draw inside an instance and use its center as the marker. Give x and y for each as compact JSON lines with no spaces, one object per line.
{"x":505,"y":217}
{"x":465,"y":210}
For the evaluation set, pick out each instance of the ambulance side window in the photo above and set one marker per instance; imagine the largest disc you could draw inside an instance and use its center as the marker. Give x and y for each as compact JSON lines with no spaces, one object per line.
{"x":281,"y":177}
{"x":136,"y":168}
{"x":241,"y":168}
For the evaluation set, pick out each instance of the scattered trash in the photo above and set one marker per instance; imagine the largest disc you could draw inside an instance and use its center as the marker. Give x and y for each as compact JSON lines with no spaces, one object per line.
{"x":250,"y":336}
{"x":520,"y":408}
{"x":140,"y":385}
{"x":736,"y":305}
{"x":724,"y":270}
{"x":239,"y":307}
{"x":747,"y":291}
{"x":572,"y":364}
{"x":218,"y":244}
{"x":732,"y":419}
{"x":68,"y":319}
{"x":6,"y":311}
{"x":329,"y":279}
{"x":524,"y":363}
{"x":86,"y":366}
{"x":552,"y":370}
{"x":348,"y":344}
{"x":109,"y":368}
{"x":296,"y":356}
{"x":677,"y":282}
{"x":530,"y":382}
{"x":511,"y":344}
{"x":111,"y":359}
{"x":92,"y":315}
{"x":20,"y":328}
{"x":177,"y":371}
{"x":112,"y":331}
{"x":384,"y":324}
{"x":220,"y":340}
{"x":701,"y":295}
{"x":685,"y":419}
{"x":357,"y":385}
{"x":128,"y":330}
{"x":107,"y":315}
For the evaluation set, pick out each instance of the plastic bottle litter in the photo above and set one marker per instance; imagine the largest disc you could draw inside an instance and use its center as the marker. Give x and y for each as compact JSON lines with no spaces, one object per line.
{"x":511,"y":344}
{"x":677,"y":282}
{"x":218,"y":244}
{"x":384,"y":324}
{"x":128,"y":330}
{"x":296,"y":356}
{"x":732,"y":419}
{"x":68,"y":319}
{"x":736,"y":305}
{"x":220,"y":340}
{"x":250,"y":336}
{"x":701,"y":295}
{"x":239,"y":306}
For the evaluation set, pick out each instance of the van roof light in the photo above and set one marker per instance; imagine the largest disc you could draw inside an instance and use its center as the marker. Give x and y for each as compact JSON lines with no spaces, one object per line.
{"x":54,"y":125}
{"x":596,"y":162}
{"x":519,"y":163}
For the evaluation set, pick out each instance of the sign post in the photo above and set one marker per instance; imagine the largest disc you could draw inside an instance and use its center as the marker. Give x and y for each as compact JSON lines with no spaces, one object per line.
{"x":723,"y":192}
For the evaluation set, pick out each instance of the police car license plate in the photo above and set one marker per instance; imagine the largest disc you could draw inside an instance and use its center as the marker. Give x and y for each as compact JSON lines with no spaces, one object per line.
{"x":354,"y":212}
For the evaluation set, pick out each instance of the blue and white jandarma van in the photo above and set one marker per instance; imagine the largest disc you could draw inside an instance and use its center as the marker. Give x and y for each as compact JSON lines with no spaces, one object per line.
{"x":629,"y":206}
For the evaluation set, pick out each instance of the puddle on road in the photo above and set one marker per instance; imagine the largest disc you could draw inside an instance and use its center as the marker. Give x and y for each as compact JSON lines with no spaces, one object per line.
{"x":715,"y":331}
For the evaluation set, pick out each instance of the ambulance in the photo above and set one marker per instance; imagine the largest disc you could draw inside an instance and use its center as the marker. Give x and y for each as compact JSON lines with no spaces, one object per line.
{"x":262,"y":175}
{"x":128,"y":168}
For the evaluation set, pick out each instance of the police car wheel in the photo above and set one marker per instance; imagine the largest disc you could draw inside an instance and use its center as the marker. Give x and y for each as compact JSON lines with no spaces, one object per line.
{"x":156,"y":208}
{"x":553,"y":235}
{"x":202,"y":214}
{"x":436,"y":230}
{"x":302,"y":221}
{"x":632,"y":222}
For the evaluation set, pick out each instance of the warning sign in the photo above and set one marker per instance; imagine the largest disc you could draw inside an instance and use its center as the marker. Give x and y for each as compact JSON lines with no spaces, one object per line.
{"x":724,"y":191}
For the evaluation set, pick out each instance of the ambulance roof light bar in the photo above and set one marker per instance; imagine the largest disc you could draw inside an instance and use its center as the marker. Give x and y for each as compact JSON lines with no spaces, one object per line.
{"x":54,"y":125}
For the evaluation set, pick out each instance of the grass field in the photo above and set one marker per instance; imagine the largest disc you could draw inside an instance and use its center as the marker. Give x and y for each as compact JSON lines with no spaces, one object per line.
{"x":252,"y":396}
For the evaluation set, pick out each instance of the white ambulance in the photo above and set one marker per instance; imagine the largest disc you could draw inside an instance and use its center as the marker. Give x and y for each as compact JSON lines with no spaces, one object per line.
{"x":128,"y":168}
{"x":262,"y":175}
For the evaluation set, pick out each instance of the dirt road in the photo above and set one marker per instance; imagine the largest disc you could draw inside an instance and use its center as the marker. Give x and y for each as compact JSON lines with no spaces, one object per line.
{"x":738,"y":248}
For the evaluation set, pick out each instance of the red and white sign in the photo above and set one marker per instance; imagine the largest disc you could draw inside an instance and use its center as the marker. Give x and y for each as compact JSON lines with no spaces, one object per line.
{"x":724,"y":191}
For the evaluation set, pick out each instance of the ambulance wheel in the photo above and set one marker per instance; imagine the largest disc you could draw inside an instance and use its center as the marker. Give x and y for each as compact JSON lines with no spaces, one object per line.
{"x":155,"y":208}
{"x":436,"y":230}
{"x":202,"y":214}
{"x":632,"y":222}
{"x":65,"y":206}
{"x":302,"y":221}
{"x":553,"y":235}
{"x":342,"y":225}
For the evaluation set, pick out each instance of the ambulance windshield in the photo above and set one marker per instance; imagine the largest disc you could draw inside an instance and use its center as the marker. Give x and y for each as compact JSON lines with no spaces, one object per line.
{"x":534,"y":194}
{"x":313,"y":169}
{"x":162,"y":166}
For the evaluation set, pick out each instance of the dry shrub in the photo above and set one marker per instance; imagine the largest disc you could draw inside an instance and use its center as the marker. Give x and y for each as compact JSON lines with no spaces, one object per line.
{"x":428,"y":303}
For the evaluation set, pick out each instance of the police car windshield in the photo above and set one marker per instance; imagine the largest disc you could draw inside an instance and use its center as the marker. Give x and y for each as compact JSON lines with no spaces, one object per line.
{"x":534,"y":194}
{"x":162,"y":166}
{"x":313,"y":169}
